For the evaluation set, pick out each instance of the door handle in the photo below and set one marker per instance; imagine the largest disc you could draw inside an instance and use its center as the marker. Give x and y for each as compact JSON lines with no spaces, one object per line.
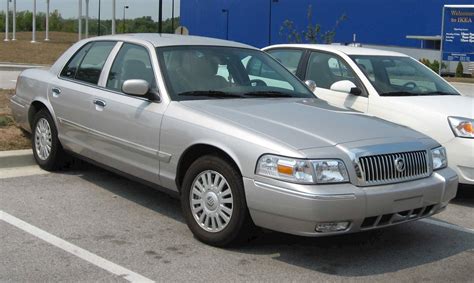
{"x":56,"y":91}
{"x":100,"y":103}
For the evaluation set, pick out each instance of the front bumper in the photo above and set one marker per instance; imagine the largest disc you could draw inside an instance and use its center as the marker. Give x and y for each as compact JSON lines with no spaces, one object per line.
{"x":461,"y":158}
{"x":296,"y":209}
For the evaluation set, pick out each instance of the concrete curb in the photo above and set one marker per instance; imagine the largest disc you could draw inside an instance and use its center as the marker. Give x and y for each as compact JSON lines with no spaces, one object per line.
{"x":6,"y":66}
{"x":18,"y":163}
{"x":16,"y":158}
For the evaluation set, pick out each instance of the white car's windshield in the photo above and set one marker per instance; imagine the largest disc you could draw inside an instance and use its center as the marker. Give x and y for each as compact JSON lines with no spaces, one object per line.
{"x":211,"y":72}
{"x":401,"y":76}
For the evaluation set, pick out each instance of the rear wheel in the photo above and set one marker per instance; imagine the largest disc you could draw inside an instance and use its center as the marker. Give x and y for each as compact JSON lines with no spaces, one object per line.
{"x":213,"y":202}
{"x":47,"y":149}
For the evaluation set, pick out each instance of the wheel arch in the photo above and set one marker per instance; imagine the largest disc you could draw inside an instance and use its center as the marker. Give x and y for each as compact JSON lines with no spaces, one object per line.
{"x":198,"y":150}
{"x":36,"y":105}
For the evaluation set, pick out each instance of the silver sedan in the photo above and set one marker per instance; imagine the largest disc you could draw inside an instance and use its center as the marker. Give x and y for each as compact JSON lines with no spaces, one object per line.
{"x":235,"y":135}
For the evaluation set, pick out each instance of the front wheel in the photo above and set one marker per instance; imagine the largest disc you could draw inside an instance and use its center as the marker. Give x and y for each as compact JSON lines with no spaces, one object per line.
{"x":213,"y":202}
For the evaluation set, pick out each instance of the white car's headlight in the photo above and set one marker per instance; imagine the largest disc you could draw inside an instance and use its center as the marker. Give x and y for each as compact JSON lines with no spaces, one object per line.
{"x":440,"y":160}
{"x":301,"y":170}
{"x":462,"y":127}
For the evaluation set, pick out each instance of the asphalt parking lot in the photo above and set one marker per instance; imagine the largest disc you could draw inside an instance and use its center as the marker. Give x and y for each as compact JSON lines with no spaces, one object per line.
{"x":86,"y":224}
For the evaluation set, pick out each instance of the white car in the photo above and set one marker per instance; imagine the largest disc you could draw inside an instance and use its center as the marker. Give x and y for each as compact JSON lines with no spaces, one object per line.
{"x":391,"y":86}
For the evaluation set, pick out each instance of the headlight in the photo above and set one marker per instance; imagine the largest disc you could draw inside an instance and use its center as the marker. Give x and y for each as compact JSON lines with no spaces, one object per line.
{"x":301,"y":170}
{"x":440,"y":160}
{"x":462,"y":127}
{"x":330,"y":171}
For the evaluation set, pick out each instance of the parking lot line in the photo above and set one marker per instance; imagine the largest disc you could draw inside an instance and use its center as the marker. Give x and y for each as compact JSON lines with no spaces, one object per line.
{"x":73,"y":249}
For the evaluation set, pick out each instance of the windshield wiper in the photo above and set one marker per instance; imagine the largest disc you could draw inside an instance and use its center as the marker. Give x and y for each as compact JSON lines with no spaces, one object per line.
{"x":210,"y":93}
{"x":440,"y":93}
{"x":267,"y":94}
{"x":400,"y":93}
{"x":405,"y":93}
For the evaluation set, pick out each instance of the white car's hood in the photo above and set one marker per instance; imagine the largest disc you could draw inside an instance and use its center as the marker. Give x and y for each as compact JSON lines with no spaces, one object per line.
{"x":448,"y":105}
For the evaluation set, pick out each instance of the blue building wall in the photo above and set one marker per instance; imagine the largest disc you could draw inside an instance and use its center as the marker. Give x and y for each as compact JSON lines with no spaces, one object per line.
{"x":384,"y":22}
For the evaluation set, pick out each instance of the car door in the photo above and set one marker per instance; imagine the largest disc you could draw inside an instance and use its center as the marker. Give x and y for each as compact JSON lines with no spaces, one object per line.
{"x":71,"y":95}
{"x":326,"y":69}
{"x":128,"y":127}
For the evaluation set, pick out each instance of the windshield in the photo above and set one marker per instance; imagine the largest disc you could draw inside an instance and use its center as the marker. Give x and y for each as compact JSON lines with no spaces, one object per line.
{"x":402,"y":76}
{"x":211,"y":72}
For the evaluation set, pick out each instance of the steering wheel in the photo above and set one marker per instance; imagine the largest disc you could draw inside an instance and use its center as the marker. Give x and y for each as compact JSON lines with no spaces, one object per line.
{"x":258,"y":82}
{"x":410,"y":85}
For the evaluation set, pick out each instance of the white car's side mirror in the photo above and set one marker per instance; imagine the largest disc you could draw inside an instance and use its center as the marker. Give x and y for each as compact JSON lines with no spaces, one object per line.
{"x":311,"y":85}
{"x":346,"y":86}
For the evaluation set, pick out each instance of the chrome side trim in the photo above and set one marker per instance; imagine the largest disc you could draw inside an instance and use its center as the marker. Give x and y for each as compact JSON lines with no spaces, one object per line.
{"x":113,"y":139}
{"x":303,"y":194}
{"x":163,"y":156}
{"x":17,"y":103}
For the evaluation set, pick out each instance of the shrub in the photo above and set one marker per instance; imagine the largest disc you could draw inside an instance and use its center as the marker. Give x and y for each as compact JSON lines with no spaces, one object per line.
{"x":433,"y":66}
{"x":459,"y":70}
{"x":5,"y":121}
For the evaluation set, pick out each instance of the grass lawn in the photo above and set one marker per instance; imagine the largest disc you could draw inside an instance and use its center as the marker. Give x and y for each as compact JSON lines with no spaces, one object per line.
{"x":460,"y":80}
{"x":42,"y":52}
{"x":11,"y":137}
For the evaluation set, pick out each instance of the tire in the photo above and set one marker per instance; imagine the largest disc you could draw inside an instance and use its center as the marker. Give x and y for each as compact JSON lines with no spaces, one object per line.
{"x":47,"y":149}
{"x":234,"y":228}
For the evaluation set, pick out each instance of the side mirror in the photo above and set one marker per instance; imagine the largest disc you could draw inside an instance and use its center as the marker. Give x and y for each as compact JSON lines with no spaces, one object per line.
{"x":136,"y":87}
{"x":311,"y":85}
{"x":346,"y":86}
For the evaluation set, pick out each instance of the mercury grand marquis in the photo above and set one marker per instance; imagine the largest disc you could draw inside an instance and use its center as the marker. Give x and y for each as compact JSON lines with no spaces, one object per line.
{"x":188,"y":115}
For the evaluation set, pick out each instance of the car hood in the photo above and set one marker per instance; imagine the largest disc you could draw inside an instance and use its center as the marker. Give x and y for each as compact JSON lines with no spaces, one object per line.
{"x":447,"y":105}
{"x":301,"y":123}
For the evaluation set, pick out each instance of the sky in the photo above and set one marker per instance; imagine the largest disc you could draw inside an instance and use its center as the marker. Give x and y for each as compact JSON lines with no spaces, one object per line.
{"x":68,"y":8}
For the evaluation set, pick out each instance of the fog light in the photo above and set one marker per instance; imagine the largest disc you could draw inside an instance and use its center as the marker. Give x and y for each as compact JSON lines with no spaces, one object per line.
{"x":331,"y":226}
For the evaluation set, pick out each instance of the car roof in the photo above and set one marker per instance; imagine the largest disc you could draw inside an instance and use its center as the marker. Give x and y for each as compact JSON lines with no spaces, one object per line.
{"x":348,"y":50}
{"x":165,"y":39}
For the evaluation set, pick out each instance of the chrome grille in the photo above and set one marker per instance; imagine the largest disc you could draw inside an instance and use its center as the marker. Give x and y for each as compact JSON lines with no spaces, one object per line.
{"x":382,"y":169}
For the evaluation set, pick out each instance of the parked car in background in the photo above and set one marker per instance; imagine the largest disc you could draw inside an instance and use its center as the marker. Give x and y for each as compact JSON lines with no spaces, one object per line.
{"x":391,"y":86}
{"x":239,"y":149}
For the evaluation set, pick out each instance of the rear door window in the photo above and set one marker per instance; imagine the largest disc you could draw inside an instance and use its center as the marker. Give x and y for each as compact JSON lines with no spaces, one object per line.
{"x":71,"y":68}
{"x":91,"y":66}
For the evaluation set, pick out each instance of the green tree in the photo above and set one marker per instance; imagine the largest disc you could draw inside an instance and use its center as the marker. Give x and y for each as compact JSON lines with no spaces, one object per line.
{"x":58,"y":23}
{"x":55,"y":21}
{"x":459,"y":70}
{"x":312,"y":33}
{"x":2,"y":21}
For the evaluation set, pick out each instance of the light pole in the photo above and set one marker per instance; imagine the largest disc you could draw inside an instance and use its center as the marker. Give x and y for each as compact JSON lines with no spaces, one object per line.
{"x":160,"y":17}
{"x":270,"y":21}
{"x":46,"y":38}
{"x":98,"y":22}
{"x":33,"y":28}
{"x":226,"y":11}
{"x":87,"y":18}
{"x":6,"y":21}
{"x":123,"y":20}
{"x":79,"y":20}
{"x":113,"y":16}
{"x":172,"y":16}
{"x":14,"y":21}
